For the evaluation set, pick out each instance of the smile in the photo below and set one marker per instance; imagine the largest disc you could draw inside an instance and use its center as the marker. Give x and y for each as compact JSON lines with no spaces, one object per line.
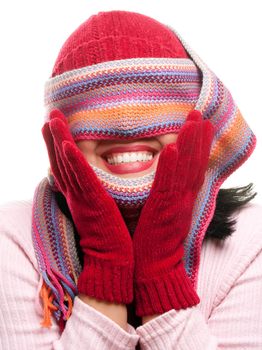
{"x":129,"y":159}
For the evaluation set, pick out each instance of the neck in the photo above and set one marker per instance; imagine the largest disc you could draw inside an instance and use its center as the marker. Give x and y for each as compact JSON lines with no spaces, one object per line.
{"x":131,"y":217}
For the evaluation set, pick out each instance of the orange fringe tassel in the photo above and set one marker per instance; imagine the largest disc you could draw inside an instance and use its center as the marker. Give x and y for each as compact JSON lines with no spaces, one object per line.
{"x":47,"y":297}
{"x":70,"y":305}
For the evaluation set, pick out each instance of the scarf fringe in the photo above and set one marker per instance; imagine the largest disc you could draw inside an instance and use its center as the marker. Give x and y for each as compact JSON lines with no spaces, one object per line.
{"x":55,"y":248}
{"x":49,"y":308}
{"x":47,"y":298}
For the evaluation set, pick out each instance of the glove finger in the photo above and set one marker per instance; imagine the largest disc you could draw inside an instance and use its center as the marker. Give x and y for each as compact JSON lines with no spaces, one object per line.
{"x":206,"y":142}
{"x":194,"y":115}
{"x":196,"y":158}
{"x":191,"y":157}
{"x":84,"y":174}
{"x":52,"y":155}
{"x":192,"y":121}
{"x":70,"y":170}
{"x":60,"y":131}
{"x":165,"y":168}
{"x":57,"y":114}
{"x":63,"y":166}
{"x":187,"y":142}
{"x":61,"y":134}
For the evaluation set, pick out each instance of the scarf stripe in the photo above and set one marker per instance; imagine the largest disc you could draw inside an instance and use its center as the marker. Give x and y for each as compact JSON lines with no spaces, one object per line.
{"x":125,"y":98}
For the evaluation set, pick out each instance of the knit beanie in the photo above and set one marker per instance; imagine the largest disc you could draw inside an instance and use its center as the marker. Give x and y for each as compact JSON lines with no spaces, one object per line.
{"x":117,"y":35}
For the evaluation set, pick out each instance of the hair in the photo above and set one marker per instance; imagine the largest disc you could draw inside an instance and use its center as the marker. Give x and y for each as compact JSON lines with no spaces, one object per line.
{"x":228,"y":202}
{"x":222,"y":225}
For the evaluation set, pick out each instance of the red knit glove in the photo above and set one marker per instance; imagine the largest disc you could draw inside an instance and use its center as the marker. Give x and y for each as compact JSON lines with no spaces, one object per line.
{"x":160,"y":279}
{"x":104,"y":238}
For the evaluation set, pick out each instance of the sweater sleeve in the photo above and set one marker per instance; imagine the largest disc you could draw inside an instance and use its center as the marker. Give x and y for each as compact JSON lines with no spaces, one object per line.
{"x":20,"y":315}
{"x":236,"y":323}
{"x":95,"y":330}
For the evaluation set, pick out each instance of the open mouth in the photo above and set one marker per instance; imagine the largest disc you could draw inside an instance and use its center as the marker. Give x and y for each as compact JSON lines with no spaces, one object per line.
{"x":131,"y":159}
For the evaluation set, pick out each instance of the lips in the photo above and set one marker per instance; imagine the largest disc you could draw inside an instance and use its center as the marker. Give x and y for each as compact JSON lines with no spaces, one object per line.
{"x":131,"y":167}
{"x":135,"y":148}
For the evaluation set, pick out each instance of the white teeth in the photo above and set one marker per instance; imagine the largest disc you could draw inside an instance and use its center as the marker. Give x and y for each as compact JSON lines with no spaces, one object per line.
{"x":139,"y":156}
{"x":129,"y":157}
{"x":119,"y":159}
{"x":132,"y":157}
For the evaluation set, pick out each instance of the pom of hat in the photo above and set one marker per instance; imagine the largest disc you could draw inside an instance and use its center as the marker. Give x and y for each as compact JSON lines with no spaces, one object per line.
{"x":116,"y":35}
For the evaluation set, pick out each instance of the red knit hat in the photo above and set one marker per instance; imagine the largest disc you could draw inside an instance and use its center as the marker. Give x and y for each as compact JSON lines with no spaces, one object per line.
{"x":116,"y":35}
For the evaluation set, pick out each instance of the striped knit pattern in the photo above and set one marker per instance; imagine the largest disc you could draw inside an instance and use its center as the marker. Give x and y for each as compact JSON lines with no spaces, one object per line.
{"x":130,"y":98}
{"x":233,"y":144}
{"x":130,"y":192}
{"x":138,"y":98}
{"x":54,"y":242}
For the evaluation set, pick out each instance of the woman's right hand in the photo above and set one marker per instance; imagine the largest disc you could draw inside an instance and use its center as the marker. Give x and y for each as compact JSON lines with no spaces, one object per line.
{"x":104,"y":238}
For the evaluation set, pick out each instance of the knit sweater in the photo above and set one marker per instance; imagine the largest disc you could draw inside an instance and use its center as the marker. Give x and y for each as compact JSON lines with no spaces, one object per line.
{"x":229,"y":315}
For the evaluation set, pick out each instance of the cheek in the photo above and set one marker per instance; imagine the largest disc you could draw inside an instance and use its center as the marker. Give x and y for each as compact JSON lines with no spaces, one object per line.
{"x":167,"y":138}
{"x":87,"y":147}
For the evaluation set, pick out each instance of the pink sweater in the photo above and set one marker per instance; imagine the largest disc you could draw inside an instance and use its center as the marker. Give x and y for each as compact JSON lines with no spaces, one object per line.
{"x":228,"y":317}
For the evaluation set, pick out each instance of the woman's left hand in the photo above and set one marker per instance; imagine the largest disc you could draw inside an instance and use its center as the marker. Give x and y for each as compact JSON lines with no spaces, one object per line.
{"x":160,"y":279}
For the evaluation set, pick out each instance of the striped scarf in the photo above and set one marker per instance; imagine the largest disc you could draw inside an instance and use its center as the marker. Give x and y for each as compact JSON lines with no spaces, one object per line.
{"x":129,"y":99}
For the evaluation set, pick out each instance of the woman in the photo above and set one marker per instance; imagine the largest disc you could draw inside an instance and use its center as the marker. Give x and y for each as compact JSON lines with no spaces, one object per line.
{"x":133,"y":245}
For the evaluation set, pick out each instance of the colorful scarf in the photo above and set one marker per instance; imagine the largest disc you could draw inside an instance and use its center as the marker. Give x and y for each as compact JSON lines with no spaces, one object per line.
{"x":127,"y":99}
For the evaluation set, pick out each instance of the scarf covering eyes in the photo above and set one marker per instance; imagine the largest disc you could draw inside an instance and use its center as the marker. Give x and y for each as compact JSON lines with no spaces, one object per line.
{"x":128,"y":99}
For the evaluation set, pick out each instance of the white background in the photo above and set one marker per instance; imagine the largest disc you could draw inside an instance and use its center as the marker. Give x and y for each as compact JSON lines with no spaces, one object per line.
{"x":226,"y":35}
